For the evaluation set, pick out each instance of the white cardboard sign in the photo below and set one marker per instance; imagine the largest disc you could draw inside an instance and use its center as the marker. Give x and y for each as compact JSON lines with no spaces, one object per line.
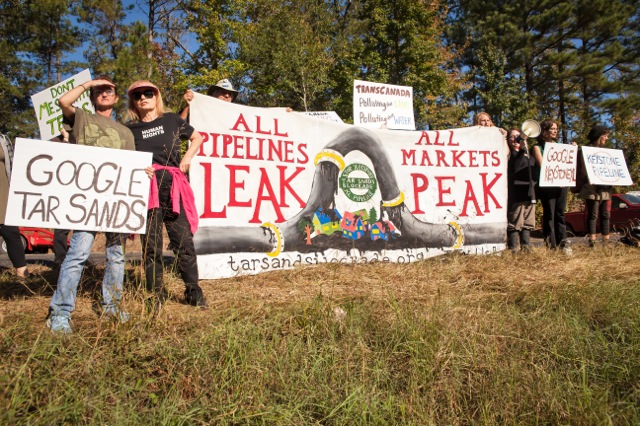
{"x":559,"y":163}
{"x":383,"y":106}
{"x":65,"y":186}
{"x":325,"y":115}
{"x":606,"y":166}
{"x":48,"y":112}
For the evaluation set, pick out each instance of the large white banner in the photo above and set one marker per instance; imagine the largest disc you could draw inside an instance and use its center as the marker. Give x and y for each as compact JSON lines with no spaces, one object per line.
{"x":277,"y":189}
{"x":49,"y":113}
{"x":606,"y":166}
{"x":66,"y":186}
{"x":559,"y":165}
{"x":383,"y":106}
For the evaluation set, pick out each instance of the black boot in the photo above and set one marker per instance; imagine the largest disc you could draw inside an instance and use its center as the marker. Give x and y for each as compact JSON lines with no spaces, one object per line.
{"x":513,"y":241}
{"x":194,"y":297}
{"x":525,"y":238}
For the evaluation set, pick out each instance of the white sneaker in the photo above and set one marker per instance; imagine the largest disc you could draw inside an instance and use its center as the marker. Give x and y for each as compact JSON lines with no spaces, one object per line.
{"x":59,"y":324}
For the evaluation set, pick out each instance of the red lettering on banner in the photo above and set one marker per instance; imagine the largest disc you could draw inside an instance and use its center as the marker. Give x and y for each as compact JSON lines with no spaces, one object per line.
{"x":205,"y":138}
{"x":208,"y":212}
{"x":457,"y":158}
{"x":425,"y":140}
{"x":470,"y":196}
{"x":240,"y":121}
{"x":265,"y":184}
{"x":285,"y":185}
{"x":441,"y":160}
{"x":234,"y":184}
{"x":418,"y":187}
{"x":442,"y":191}
{"x":487,"y":191}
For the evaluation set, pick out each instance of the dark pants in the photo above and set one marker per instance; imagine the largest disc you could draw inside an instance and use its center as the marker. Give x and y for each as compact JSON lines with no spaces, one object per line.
{"x":554,"y":227}
{"x":60,"y":246}
{"x":601,"y":208}
{"x":15,"y":248}
{"x":181,"y":241}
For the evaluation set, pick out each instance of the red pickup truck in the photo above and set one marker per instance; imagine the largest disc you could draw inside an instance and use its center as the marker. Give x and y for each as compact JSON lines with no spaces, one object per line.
{"x":625,"y":213}
{"x":33,"y":239}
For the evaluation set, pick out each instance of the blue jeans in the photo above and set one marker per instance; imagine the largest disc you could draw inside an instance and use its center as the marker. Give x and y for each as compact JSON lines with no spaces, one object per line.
{"x":63,"y":301}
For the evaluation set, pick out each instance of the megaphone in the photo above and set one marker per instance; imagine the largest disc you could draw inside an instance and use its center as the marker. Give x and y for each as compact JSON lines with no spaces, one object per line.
{"x":531,"y":128}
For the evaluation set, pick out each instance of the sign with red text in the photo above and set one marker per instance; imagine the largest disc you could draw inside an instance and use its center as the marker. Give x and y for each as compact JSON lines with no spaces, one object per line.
{"x":277,"y":189}
{"x":383,"y":106}
{"x":67,"y":186}
{"x":559,"y":163}
{"x":606,"y":166}
{"x":49,"y":113}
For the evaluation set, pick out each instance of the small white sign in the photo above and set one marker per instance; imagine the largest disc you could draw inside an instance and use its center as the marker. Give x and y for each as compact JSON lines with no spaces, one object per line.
{"x":66,"y":186}
{"x":559,"y":163}
{"x":325,"y":115}
{"x":48,"y":112}
{"x":383,"y":106}
{"x":606,"y":166}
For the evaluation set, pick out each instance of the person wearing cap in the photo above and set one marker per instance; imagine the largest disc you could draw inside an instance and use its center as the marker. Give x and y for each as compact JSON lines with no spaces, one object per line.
{"x":596,"y":197}
{"x":99,"y":129}
{"x":171,"y":200}
{"x":222,"y":90}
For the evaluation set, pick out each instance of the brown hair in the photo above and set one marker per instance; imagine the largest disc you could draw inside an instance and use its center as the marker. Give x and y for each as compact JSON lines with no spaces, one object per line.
{"x":545,"y":126}
{"x":92,"y":90}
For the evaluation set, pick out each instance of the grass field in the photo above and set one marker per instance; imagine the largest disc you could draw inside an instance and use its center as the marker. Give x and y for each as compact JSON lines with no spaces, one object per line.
{"x":537,"y":339}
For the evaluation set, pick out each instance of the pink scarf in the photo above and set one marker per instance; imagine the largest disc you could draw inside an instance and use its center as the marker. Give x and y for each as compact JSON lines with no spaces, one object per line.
{"x":180,"y":190}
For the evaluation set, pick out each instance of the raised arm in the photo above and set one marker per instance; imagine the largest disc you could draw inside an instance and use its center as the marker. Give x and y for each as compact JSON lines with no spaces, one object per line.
{"x":66,"y":101}
{"x":188,"y":97}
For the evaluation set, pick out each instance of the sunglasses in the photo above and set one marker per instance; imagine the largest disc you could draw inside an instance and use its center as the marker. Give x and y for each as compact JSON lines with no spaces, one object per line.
{"x":108,"y":92}
{"x":148,"y":94}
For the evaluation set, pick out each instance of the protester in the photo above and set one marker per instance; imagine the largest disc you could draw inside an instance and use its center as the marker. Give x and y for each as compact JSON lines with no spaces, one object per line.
{"x":521,"y":214}
{"x":596,"y":197}
{"x":99,"y":129}
{"x":10,"y":234}
{"x":222,"y":90}
{"x":171,"y":201}
{"x":553,"y":199}
{"x":483,"y":119}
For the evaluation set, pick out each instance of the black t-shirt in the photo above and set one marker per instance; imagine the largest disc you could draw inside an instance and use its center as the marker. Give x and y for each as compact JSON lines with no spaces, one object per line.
{"x":162,"y":137}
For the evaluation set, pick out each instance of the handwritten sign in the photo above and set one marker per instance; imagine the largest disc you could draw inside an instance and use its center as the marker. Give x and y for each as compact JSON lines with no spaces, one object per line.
{"x":559,"y":163}
{"x":325,"y":115}
{"x":377,"y":105}
{"x":49,"y":113}
{"x":275,"y":190}
{"x":606,"y":166}
{"x":59,"y":185}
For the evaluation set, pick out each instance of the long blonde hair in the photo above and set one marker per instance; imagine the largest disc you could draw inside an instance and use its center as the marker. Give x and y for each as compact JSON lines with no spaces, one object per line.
{"x":132,"y":115}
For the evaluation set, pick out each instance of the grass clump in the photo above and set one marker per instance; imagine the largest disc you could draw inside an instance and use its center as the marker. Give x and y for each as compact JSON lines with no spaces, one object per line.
{"x":452,"y":340}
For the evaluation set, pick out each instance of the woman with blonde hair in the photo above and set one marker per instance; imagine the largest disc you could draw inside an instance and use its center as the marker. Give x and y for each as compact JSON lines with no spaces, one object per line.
{"x":161,"y":133}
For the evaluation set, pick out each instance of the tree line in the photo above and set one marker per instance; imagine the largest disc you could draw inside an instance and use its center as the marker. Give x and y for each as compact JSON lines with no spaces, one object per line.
{"x":576,"y":61}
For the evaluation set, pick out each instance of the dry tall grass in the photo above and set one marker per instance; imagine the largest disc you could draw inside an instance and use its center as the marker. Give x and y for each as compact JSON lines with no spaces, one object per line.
{"x":542,"y":338}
